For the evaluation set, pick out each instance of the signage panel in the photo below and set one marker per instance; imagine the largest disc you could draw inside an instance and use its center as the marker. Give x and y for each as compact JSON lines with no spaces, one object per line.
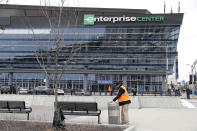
{"x":90,"y":19}
{"x":105,"y":82}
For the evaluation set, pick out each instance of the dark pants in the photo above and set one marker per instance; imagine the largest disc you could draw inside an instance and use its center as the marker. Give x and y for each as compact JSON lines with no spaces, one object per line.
{"x":188,"y":95}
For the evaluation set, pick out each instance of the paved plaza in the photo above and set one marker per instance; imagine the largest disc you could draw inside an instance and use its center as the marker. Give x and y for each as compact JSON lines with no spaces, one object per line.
{"x":145,"y":119}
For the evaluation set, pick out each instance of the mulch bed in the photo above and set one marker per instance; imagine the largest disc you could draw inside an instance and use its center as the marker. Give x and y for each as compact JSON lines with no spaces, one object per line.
{"x":6,"y":125}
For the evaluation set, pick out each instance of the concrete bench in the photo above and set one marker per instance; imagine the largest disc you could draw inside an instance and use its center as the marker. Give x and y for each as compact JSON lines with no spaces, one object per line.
{"x":80,"y":108}
{"x":14,"y":107}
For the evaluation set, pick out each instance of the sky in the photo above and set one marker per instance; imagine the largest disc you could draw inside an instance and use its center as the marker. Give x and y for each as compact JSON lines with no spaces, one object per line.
{"x":187,"y":44}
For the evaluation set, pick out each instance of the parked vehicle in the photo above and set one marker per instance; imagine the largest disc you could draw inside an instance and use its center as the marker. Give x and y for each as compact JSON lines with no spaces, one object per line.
{"x":59,"y":91}
{"x":5,"y":89}
{"x":23,"y":90}
{"x":43,"y":90}
{"x":68,"y":91}
{"x":9,"y":89}
{"x":31,"y":91}
{"x":79,"y":92}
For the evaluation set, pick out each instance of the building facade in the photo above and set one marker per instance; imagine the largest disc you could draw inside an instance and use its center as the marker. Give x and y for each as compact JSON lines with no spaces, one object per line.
{"x":98,"y":45}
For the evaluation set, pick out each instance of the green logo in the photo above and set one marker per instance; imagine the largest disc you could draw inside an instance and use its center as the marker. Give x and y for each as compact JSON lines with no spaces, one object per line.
{"x":89,"y":19}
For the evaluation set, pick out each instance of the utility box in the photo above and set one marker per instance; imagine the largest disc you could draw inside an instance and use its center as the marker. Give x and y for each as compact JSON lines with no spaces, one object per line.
{"x":113,"y":113}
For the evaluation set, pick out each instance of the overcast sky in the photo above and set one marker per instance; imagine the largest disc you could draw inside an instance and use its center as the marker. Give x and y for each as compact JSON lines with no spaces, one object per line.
{"x":187,"y":44}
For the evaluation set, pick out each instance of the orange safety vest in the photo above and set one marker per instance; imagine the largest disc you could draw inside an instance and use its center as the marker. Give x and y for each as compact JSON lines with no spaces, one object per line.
{"x":124,"y":96}
{"x":109,"y":89}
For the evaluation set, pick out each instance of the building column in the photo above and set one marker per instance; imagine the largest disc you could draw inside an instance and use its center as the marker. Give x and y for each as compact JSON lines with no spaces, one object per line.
{"x":28,"y":84}
{"x":72,"y":84}
{"x":144,"y":82}
{"x":10,"y":78}
{"x":66,"y":84}
{"x":47,"y":80}
{"x":151,"y":84}
{"x":164,"y":83}
{"x":85,"y":81}
{"x":124,"y":78}
{"x":111,"y":78}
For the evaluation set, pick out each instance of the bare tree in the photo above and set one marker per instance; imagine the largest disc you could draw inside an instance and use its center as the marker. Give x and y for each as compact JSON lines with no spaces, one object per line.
{"x":55,"y":50}
{"x":4,"y":1}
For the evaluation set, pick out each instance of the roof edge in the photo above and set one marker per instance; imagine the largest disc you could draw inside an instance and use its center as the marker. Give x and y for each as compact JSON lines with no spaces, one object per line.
{"x":37,"y":7}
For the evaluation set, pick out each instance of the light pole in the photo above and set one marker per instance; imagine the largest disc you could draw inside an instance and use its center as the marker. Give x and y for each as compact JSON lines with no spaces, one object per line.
{"x":193,"y":72}
{"x":167,"y":86}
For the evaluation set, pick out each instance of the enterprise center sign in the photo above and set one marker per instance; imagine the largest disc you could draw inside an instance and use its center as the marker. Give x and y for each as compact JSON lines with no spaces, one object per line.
{"x":90,"y":19}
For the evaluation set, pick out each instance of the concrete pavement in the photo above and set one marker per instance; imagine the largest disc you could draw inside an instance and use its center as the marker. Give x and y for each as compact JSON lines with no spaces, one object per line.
{"x":144,"y":119}
{"x":164,"y":119}
{"x":153,"y":119}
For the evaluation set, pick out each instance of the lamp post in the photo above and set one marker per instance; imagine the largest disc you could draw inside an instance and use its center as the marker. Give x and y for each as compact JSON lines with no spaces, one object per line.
{"x":193,"y":72}
{"x":167,"y":86}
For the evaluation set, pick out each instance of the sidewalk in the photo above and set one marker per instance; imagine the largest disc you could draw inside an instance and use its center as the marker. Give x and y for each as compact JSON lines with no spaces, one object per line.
{"x":192,"y":96}
{"x":164,"y":119}
{"x":145,"y":119}
{"x":152,"y":119}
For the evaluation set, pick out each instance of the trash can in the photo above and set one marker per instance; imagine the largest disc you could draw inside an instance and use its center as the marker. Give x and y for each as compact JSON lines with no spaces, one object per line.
{"x":113,"y":113}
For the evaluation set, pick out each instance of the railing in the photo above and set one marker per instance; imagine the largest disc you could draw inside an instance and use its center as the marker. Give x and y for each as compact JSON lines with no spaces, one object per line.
{"x":138,"y":93}
{"x":115,"y":92}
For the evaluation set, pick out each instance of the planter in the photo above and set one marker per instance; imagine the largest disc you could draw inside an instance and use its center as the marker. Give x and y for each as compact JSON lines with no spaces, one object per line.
{"x":7,"y":125}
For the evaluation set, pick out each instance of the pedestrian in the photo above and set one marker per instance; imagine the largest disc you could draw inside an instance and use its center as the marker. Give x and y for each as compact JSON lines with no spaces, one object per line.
{"x":72,"y":91}
{"x":188,"y":92}
{"x":134,"y":91}
{"x":109,"y":89}
{"x":124,"y":101}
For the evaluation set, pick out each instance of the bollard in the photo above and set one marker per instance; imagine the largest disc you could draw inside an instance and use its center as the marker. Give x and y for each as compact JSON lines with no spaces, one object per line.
{"x":142,"y":91}
{"x":113,"y":113}
{"x":179,"y":93}
{"x":100,"y":93}
{"x":105,"y":93}
{"x":169,"y":92}
{"x":161,"y":92}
